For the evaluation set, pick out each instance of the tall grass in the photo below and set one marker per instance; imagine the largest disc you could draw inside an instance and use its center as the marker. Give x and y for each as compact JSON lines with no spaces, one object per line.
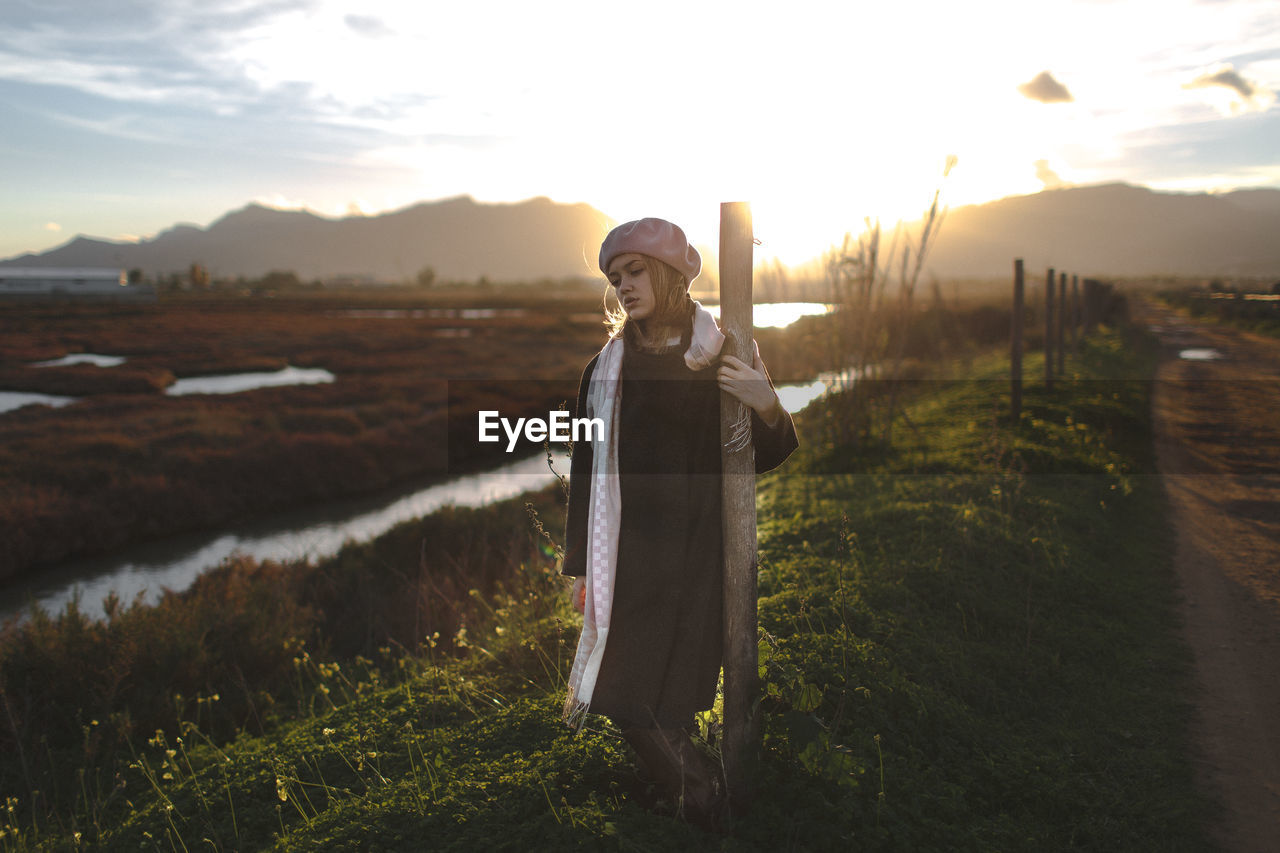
{"x":248,"y":645}
{"x":873,"y":291}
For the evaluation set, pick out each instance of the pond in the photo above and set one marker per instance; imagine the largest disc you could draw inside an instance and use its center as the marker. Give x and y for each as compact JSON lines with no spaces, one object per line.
{"x":1200,"y":354}
{"x":11,"y":400}
{"x":82,"y":358}
{"x":779,"y":314}
{"x":234,"y":383}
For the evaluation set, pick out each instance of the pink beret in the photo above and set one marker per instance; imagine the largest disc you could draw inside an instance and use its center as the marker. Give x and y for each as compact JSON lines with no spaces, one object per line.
{"x":656,"y":238}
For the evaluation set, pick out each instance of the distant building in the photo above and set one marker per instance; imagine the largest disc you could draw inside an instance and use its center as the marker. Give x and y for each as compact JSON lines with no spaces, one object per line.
{"x":71,"y":282}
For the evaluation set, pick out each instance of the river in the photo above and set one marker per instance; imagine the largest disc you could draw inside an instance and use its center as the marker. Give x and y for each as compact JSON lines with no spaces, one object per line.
{"x":313,"y":533}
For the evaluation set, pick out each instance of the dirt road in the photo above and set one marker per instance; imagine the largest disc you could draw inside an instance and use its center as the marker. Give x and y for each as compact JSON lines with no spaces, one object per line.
{"x":1217,"y":420}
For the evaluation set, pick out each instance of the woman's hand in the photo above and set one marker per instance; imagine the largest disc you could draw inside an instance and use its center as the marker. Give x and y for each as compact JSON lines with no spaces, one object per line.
{"x":751,"y":386}
{"x":578,"y":594}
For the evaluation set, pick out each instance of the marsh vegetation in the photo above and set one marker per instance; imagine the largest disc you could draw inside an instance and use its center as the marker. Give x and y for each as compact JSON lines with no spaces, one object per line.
{"x":959,"y":627}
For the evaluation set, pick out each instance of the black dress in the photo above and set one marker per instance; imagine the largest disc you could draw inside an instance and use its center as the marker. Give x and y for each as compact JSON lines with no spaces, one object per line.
{"x":662,"y":658}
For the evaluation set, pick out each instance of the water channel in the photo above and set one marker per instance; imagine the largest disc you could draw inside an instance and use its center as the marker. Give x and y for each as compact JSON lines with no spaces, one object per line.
{"x":312,"y":533}
{"x":174,"y":563}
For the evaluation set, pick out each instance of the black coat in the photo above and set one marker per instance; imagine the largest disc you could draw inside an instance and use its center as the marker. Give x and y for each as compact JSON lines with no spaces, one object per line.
{"x":662,"y":657}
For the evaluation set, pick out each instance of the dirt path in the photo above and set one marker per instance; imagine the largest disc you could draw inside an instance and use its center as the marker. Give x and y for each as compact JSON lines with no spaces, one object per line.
{"x":1217,"y":422}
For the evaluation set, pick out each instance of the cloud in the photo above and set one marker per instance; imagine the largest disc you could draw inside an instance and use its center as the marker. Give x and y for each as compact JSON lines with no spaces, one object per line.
{"x":138,"y":51}
{"x":1045,"y":89}
{"x":52,"y":226}
{"x":367,"y":25}
{"x":1252,"y":97}
{"x":1047,"y":176}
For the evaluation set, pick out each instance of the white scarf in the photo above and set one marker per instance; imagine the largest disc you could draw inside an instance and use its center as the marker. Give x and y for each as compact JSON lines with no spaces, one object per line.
{"x":604,"y":518}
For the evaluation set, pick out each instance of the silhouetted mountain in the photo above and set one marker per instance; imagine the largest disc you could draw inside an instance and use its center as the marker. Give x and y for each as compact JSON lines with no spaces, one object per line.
{"x":459,"y":238}
{"x":1114,"y":230}
{"x":1102,"y":230}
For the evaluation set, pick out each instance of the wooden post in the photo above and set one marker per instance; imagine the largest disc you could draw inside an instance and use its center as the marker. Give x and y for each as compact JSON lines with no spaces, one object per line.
{"x":1075,"y":314}
{"x":1048,"y":329}
{"x":741,"y":677}
{"x":1015,"y":345}
{"x":1062,"y":319}
{"x":1088,"y":305}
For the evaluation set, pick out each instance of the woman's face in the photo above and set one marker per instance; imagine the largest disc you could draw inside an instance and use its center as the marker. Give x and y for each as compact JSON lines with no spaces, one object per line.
{"x":629,"y":276}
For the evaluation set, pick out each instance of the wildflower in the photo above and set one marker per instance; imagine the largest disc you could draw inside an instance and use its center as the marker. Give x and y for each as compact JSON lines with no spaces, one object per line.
{"x":327,"y":732}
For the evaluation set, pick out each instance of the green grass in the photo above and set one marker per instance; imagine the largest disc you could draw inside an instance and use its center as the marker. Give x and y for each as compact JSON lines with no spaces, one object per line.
{"x":968,"y":643}
{"x":1230,"y":309}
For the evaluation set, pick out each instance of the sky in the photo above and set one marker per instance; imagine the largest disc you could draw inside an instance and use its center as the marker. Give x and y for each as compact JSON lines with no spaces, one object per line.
{"x":121,"y":119}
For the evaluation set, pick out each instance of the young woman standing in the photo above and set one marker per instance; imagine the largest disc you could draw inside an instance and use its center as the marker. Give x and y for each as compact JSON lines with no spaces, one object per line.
{"x":643,"y":538}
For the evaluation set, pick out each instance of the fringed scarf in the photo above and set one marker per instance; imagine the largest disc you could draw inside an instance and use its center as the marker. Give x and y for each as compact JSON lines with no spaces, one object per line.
{"x":604,"y":517}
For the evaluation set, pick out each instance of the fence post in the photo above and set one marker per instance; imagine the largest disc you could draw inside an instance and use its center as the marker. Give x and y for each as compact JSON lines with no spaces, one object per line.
{"x":1015,"y":345}
{"x":1062,"y":320}
{"x":738,"y":520}
{"x":1048,"y":329}
{"x":1075,"y":314}
{"x":1090,"y":288}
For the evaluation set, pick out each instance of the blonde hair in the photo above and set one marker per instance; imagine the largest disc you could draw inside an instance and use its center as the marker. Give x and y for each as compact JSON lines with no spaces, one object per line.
{"x":671,"y":303}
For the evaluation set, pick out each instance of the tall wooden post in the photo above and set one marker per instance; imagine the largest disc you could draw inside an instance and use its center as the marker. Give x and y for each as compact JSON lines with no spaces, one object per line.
{"x":1062,"y":321}
{"x":1075,"y":314}
{"x":1048,"y":329}
{"x":1015,"y":345}
{"x":1090,"y":304}
{"x":741,"y":677}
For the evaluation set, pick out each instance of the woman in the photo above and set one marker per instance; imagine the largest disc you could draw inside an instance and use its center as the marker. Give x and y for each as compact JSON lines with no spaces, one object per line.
{"x":643,"y":538}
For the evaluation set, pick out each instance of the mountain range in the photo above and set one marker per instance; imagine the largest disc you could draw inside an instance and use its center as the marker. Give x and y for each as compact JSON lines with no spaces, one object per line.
{"x":1103,"y":230}
{"x":1108,"y":230}
{"x":458,"y":238}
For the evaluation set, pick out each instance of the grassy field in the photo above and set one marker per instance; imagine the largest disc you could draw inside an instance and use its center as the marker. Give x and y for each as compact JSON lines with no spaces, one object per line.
{"x":1255,"y":311}
{"x":968,"y":643}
